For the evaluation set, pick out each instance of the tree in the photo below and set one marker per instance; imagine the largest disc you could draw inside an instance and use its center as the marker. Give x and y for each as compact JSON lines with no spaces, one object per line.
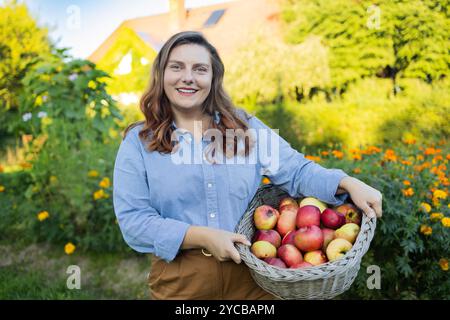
{"x":22,"y":44}
{"x":394,"y":38}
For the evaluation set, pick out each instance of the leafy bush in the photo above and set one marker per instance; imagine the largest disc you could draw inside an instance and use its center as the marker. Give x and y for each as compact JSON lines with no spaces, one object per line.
{"x":74,"y":123}
{"x":411,"y":240}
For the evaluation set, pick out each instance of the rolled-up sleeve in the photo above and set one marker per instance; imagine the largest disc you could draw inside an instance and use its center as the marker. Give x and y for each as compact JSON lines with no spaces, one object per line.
{"x":294,"y":173}
{"x":142,"y":227}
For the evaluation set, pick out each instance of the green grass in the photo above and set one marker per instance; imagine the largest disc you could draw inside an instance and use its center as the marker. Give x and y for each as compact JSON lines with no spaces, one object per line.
{"x":39,"y":272}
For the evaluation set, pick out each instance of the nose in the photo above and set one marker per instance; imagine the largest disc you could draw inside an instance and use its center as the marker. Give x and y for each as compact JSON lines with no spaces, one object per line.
{"x":187,"y":76}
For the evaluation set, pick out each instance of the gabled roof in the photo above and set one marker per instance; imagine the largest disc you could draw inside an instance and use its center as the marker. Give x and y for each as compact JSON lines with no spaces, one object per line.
{"x":226,"y":25}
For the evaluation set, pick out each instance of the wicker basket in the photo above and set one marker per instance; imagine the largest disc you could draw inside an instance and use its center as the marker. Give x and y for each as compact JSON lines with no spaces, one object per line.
{"x":325,"y":281}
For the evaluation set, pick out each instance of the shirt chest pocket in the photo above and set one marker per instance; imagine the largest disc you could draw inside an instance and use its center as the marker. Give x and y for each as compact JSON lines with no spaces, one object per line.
{"x":241,"y":179}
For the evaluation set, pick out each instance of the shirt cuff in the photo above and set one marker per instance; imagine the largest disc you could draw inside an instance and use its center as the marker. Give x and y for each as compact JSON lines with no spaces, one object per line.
{"x":169,"y":239}
{"x":332,"y":185}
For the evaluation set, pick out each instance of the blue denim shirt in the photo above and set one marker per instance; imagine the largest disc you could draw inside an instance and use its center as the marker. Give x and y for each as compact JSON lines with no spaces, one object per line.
{"x":156,"y":199}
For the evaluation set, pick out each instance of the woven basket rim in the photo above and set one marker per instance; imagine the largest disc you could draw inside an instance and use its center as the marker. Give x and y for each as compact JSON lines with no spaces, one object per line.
{"x":323,"y":271}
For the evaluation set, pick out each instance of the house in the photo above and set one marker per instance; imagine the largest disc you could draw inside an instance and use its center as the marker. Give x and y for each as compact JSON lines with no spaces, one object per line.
{"x":128,"y":52}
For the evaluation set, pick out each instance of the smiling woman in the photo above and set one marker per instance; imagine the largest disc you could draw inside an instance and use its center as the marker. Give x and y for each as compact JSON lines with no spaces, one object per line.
{"x":185,"y":213}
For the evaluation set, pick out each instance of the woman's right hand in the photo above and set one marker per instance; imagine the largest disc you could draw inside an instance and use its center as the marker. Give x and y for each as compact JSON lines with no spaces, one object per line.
{"x":220,"y":243}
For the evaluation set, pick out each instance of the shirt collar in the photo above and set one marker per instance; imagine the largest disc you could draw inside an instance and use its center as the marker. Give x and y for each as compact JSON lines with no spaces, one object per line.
{"x":217,"y":117}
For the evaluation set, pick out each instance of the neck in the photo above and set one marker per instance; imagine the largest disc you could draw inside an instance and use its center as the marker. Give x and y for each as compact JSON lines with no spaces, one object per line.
{"x":190,"y":119}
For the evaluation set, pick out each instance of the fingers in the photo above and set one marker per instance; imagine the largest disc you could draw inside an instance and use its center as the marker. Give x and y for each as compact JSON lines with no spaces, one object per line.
{"x":368,"y":210}
{"x":241,"y":238}
{"x":235,"y":256}
{"x":378,"y":210}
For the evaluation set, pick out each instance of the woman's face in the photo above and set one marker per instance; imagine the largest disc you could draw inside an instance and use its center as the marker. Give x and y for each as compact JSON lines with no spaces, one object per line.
{"x":188,"y":76}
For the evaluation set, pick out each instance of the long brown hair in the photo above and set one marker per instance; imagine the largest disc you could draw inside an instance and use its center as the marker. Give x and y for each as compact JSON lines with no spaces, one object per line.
{"x":155,"y":105}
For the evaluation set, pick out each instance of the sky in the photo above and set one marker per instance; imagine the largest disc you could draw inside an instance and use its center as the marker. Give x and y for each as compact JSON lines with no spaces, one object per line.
{"x":83,"y":25}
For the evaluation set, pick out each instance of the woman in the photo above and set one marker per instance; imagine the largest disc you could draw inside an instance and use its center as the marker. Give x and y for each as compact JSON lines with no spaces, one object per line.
{"x":183,"y":209}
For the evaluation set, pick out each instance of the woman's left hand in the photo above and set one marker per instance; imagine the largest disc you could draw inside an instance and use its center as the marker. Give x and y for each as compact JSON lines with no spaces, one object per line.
{"x":368,"y":199}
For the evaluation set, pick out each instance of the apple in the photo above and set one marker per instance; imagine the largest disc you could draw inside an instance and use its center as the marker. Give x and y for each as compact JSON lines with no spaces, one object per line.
{"x":268,"y":235}
{"x":328,"y":235}
{"x":289,"y":254}
{"x":337,"y":249}
{"x":315,"y":257}
{"x":289,"y":238}
{"x":286,"y":221}
{"x":352,"y":213}
{"x":287,"y":201}
{"x":265,"y":217}
{"x":348,"y":232}
{"x":302,"y":264}
{"x":263,"y":249}
{"x":308,"y":216}
{"x":309,"y":238}
{"x":332,"y":219}
{"x":275,"y":262}
{"x":312,"y":201}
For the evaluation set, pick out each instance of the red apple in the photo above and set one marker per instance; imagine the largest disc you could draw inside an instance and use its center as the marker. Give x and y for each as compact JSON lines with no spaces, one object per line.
{"x":315,"y":257}
{"x":308,"y":216}
{"x":332,"y":219}
{"x":268,"y":235}
{"x":289,"y":254}
{"x":352,"y":214}
{"x":288,"y":202}
{"x":289,"y":238}
{"x":275,"y":262}
{"x":328,"y":235}
{"x":286,"y":222}
{"x":309,"y":238}
{"x":265,"y":217}
{"x":263,"y":249}
{"x":302,"y":264}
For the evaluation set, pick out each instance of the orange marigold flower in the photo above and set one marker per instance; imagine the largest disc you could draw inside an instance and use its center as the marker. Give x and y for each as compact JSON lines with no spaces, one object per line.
{"x":408,"y":192}
{"x":409,"y":141}
{"x":325,"y":153}
{"x":356,"y":157}
{"x":439,"y":194}
{"x":406,"y":162}
{"x":265,"y":180}
{"x":406,"y":182}
{"x":429,"y":151}
{"x":93,"y":174}
{"x":337,"y":154}
{"x":426,"y":230}
{"x":105,"y":183}
{"x":447,"y":156}
{"x":446,"y":222}
{"x":390,"y":155}
{"x":420,"y":157}
{"x":1,"y":169}
{"x":313,"y":158}
{"x":2,"y":188}
{"x":425,"y":206}
{"x":443,"y":263}
{"x":436,"y":216}
{"x":357,"y":170}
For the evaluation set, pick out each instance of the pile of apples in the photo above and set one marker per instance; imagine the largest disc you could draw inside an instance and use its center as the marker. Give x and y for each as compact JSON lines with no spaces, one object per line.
{"x":305,"y":233}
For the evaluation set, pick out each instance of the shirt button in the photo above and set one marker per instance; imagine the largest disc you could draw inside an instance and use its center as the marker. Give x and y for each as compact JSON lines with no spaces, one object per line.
{"x":212,"y":215}
{"x":209,"y":185}
{"x":188,"y":139}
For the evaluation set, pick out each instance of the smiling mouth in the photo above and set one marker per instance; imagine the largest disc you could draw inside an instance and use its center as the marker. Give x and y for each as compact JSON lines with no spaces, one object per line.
{"x":186,"y":92}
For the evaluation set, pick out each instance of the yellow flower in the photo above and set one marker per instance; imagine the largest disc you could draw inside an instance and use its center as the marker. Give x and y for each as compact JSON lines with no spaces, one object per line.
{"x":93,"y":174}
{"x":105,"y":183}
{"x":446,"y":222}
{"x":1,"y":169}
{"x":406,"y":183}
{"x":439,"y":194}
{"x":443,"y":263}
{"x":2,"y":188}
{"x":265,"y":180}
{"x":426,"y":230}
{"x":53,"y":179}
{"x":426,"y":207}
{"x":92,"y":84}
{"x":99,"y":194}
{"x":69,"y":248}
{"x":408,"y":192}
{"x":113,"y":133}
{"x":43,"y":215}
{"x":46,"y":121}
{"x":436,"y":216}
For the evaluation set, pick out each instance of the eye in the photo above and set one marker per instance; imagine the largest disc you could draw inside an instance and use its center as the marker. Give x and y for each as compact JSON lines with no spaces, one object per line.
{"x":175,"y":67}
{"x":202,"y":69}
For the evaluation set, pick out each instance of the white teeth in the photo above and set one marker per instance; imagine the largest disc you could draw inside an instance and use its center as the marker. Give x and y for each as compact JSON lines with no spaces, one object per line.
{"x":186,"y":91}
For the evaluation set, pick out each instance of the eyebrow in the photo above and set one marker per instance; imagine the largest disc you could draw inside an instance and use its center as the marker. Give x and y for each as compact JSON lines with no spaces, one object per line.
{"x":195,"y":64}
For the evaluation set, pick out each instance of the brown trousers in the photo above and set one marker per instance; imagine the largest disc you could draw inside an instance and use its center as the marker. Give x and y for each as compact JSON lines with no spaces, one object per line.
{"x":192,"y":275}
